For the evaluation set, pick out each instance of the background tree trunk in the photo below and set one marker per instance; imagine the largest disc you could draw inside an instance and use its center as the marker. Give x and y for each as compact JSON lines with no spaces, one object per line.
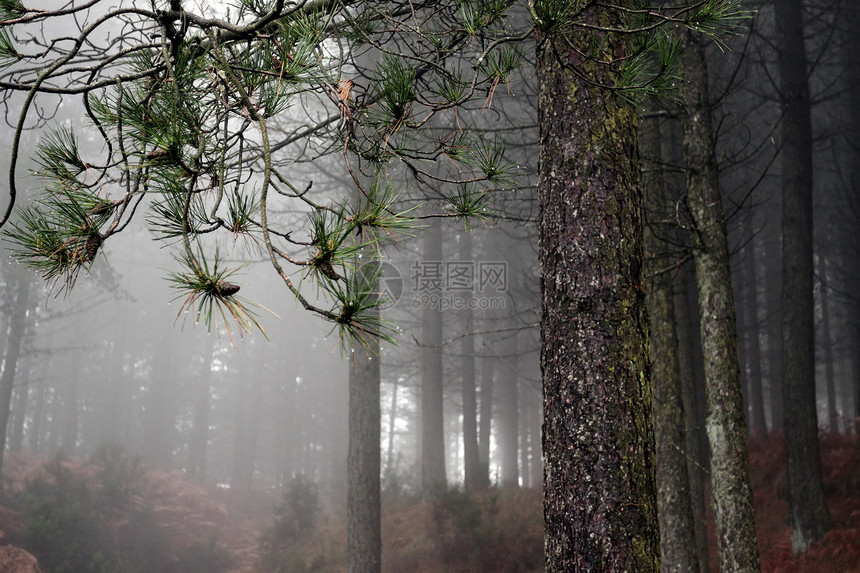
{"x":808,"y":515}
{"x":471,"y":459}
{"x":364,"y":537}
{"x":432,"y":413}
{"x":16,"y":331}
{"x":725,"y":422}
{"x":508,"y":426}
{"x":674,"y":504}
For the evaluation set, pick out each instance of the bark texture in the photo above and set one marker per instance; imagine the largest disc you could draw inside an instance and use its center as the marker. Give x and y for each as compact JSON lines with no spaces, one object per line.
{"x":599,"y":496}
{"x":364,"y":537}
{"x":677,"y":529}
{"x":725,"y":421}
{"x":808,"y":515}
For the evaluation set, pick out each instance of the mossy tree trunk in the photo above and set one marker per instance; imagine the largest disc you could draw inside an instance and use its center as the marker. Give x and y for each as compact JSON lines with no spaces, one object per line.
{"x":808,"y":515}
{"x":725,"y":420}
{"x":599,"y":495}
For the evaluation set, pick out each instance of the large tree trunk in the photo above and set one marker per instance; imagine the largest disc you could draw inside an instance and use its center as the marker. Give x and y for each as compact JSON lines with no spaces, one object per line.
{"x":432,"y":414}
{"x":808,"y":515}
{"x":599,"y":497}
{"x":725,"y":421}
{"x":677,"y":528}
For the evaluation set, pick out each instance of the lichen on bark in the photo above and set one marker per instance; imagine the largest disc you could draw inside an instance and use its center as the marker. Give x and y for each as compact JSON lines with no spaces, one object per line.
{"x":599,"y":495}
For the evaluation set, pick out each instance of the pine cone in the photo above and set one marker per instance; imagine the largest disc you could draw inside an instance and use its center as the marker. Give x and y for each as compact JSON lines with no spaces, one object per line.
{"x":94,"y":241}
{"x":226,"y":289}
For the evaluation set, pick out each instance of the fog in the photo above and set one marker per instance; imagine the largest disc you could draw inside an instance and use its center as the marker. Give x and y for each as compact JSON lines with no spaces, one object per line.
{"x":127,"y":395}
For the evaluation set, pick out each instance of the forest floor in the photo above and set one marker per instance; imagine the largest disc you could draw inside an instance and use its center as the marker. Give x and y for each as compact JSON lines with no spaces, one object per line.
{"x":106,"y":514}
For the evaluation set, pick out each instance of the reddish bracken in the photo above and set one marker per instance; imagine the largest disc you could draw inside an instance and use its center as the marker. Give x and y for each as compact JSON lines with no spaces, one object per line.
{"x":839,"y":550}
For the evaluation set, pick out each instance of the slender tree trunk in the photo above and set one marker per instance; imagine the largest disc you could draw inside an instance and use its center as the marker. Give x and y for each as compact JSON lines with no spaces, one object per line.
{"x":159,"y":422}
{"x":471,"y":460}
{"x":851,"y":13}
{"x":773,"y":284}
{"x":392,"y":428}
{"x":241,"y":417}
{"x":432,"y":413}
{"x":364,"y":538}
{"x":16,"y":332}
{"x":488,"y":366}
{"x":286,"y":430}
{"x":508,"y":419}
{"x":808,"y":515}
{"x":696,"y":454}
{"x":600,"y":509}
{"x":71,"y":419}
{"x":19,"y":408}
{"x":758,"y":423}
{"x":199,"y":443}
{"x":34,"y":439}
{"x":827,"y":350}
{"x":674,"y":504}
{"x":725,"y":422}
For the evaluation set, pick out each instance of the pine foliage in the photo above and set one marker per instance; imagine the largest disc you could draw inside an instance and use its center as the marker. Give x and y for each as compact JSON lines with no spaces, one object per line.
{"x":189,"y":102}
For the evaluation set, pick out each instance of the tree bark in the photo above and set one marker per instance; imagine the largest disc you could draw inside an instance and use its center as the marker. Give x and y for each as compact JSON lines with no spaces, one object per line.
{"x":599,"y":494}
{"x":808,"y":515}
{"x":364,"y":537}
{"x":725,"y":420}
{"x":674,"y":504}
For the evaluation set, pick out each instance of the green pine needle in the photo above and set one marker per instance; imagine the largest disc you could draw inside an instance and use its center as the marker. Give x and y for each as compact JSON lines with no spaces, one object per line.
{"x":357,"y":307}
{"x":207,"y":292}
{"x":11,"y":10}
{"x":470,"y":204}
